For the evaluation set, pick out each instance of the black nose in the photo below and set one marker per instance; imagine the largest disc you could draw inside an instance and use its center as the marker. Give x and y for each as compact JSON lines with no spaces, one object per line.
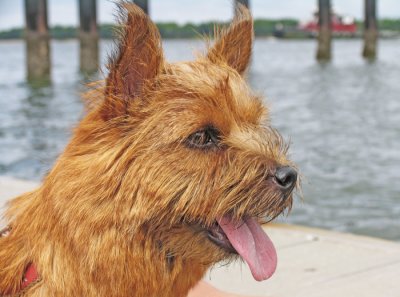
{"x":286,"y":177}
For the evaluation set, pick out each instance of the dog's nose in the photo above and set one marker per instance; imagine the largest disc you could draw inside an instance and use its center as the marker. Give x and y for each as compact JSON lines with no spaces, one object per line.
{"x":286,"y":178}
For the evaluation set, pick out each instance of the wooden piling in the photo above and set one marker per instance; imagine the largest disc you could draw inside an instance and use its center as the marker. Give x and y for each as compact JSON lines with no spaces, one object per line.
{"x":325,"y":34}
{"x":37,"y":42}
{"x":370,"y":30}
{"x":143,"y":4}
{"x":88,"y":36}
{"x":243,"y":2}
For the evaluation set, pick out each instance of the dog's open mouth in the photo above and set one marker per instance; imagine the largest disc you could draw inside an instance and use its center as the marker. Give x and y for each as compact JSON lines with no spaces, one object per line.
{"x":218,"y":236}
{"x":247,"y":238}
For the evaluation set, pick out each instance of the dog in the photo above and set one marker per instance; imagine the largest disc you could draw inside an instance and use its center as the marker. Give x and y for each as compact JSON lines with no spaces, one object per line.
{"x":172,"y":170}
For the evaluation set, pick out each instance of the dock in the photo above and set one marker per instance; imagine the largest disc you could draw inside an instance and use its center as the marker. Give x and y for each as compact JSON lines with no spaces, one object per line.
{"x":311,"y":262}
{"x":38,"y":47}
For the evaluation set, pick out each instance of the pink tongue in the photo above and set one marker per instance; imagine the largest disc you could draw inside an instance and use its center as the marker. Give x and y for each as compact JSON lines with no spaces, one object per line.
{"x":252,"y":244}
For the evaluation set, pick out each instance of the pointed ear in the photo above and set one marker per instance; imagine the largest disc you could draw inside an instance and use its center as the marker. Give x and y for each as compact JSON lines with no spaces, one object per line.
{"x":138,"y":58}
{"x":233,"y":45}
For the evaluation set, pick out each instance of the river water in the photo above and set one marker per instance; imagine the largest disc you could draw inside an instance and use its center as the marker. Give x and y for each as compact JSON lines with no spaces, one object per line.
{"x":343,"y":120}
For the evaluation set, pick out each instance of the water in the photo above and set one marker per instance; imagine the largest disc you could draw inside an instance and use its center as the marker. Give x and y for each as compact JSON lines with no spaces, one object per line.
{"x":343,"y":120}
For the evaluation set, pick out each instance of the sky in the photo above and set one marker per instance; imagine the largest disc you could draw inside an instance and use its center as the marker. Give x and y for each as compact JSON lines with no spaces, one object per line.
{"x":65,"y":12}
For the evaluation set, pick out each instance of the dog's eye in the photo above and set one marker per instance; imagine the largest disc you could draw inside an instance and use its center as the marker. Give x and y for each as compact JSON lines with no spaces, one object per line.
{"x":206,"y":138}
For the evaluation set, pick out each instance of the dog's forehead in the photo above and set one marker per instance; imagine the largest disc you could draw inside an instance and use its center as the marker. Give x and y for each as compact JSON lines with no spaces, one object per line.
{"x":222,"y":87}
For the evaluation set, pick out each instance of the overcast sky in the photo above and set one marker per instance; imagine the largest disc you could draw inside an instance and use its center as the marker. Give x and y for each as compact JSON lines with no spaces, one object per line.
{"x":65,"y":12}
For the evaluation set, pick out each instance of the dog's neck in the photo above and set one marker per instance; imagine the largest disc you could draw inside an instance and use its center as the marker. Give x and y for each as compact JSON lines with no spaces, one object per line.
{"x":90,"y":262}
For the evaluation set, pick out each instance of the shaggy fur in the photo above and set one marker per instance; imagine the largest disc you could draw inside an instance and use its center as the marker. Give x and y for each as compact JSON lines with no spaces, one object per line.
{"x":124,"y":211}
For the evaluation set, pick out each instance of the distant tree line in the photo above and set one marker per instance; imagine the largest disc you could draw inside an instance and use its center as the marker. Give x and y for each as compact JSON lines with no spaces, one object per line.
{"x":262,"y":28}
{"x":167,"y":30}
{"x":385,"y":24}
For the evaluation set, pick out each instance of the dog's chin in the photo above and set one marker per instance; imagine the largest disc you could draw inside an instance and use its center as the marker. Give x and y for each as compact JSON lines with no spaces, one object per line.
{"x":217,"y":236}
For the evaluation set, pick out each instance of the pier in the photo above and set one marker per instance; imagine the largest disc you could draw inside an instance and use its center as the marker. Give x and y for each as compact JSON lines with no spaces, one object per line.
{"x":88,"y":37}
{"x":37,"y":42}
{"x":38,"y":47}
{"x":311,"y":262}
{"x":325,"y":34}
{"x":370,"y":30}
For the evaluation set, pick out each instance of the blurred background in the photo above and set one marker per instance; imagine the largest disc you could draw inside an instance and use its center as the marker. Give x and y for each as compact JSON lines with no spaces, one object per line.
{"x":333,"y":87}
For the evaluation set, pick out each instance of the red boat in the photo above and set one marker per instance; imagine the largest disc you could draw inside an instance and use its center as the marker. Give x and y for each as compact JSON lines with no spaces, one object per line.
{"x":341,"y":25}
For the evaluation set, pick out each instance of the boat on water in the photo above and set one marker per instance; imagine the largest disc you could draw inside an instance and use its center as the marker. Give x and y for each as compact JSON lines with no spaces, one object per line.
{"x":342,"y":25}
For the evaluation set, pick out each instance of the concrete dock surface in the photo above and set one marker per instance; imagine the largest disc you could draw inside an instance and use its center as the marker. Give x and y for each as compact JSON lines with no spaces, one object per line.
{"x":311,"y":262}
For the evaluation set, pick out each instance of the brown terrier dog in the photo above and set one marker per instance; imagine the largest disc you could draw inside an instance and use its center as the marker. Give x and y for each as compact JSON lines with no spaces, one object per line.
{"x":171,"y":172}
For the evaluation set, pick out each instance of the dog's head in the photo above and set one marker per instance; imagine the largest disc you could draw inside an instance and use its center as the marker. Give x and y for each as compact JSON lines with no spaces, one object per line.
{"x":188,"y":149}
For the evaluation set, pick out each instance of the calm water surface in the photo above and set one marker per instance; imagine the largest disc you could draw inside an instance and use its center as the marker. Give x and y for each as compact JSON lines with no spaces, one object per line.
{"x":343,"y":120}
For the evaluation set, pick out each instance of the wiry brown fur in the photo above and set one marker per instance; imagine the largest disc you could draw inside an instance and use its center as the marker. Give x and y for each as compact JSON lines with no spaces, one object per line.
{"x":123,"y":211}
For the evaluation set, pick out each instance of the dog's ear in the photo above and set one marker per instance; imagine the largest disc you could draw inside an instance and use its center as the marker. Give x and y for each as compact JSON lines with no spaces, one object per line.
{"x":233,"y":45}
{"x":138,"y":58}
